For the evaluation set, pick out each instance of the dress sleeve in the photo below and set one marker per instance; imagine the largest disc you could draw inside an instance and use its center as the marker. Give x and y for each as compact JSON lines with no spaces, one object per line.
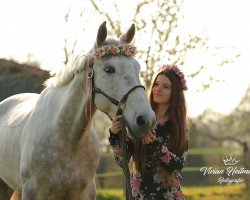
{"x":116,"y":146}
{"x":168,"y":159}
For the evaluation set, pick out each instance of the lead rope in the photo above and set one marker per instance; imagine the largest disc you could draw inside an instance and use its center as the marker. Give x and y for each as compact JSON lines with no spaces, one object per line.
{"x":125,"y":167}
{"x":125,"y":160}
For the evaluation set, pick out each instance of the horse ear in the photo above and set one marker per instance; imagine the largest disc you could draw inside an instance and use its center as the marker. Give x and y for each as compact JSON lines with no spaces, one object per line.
{"x":101,"y":34}
{"x":129,"y":35}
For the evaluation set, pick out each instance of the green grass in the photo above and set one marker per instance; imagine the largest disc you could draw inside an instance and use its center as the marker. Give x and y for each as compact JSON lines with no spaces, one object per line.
{"x":110,"y":194}
{"x":233,"y":192}
{"x":120,"y":173}
{"x":225,"y":192}
{"x":217,"y":150}
{"x":201,"y":151}
{"x":109,"y":174}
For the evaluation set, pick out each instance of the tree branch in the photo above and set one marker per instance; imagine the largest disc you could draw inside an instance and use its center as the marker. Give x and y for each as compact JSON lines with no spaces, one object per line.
{"x":223,"y":138}
{"x":98,"y":9}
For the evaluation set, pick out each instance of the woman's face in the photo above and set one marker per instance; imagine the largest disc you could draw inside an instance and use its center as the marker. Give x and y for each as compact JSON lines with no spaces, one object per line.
{"x":162,"y":90}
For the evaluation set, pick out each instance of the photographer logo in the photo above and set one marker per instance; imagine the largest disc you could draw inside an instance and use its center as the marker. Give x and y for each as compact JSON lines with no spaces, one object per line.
{"x":230,"y":160}
{"x":230,"y":173}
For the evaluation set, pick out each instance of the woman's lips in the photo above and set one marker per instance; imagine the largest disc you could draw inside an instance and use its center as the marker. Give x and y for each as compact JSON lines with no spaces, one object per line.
{"x":157,"y":94}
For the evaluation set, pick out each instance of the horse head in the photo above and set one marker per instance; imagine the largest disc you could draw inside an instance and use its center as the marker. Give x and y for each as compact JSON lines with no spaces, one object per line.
{"x":116,"y":77}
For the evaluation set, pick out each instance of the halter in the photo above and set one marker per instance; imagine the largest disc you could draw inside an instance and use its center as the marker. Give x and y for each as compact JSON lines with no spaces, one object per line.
{"x":120,"y":104}
{"x":122,"y":49}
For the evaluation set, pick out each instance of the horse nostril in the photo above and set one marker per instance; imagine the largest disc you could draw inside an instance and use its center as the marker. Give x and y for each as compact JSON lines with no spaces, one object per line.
{"x":140,"y":121}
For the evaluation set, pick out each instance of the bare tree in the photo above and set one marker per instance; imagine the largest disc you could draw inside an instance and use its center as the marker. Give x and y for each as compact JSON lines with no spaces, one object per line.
{"x":71,"y":39}
{"x":68,"y":52}
{"x":233,"y":129}
{"x":158,"y":23}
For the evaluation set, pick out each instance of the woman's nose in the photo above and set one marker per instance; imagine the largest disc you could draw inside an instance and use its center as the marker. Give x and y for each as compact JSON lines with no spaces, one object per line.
{"x":158,"y":88}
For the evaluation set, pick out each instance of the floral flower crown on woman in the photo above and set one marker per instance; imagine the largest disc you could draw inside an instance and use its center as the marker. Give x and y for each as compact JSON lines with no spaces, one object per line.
{"x":178,"y":72}
{"x":121,"y":49}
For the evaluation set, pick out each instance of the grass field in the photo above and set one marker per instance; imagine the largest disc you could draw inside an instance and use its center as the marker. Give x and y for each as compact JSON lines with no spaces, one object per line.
{"x":233,"y":192}
{"x":217,"y":192}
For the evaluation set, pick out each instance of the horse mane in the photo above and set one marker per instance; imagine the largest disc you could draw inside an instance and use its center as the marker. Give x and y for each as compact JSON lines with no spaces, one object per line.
{"x":67,"y":74}
{"x":79,"y":64}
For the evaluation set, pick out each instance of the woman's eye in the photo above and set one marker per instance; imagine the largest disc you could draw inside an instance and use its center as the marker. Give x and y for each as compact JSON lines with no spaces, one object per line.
{"x":167,"y":86}
{"x":109,"y":69}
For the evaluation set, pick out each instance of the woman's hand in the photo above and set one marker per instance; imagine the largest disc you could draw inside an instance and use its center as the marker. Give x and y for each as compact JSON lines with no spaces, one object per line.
{"x":116,"y":124}
{"x":149,"y":137}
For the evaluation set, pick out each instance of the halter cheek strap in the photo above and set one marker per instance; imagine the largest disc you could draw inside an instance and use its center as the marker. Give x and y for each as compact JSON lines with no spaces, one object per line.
{"x":120,"y":104}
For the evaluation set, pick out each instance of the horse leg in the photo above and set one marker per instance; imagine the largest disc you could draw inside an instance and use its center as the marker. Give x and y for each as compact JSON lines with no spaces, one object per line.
{"x":16,"y":196}
{"x":28,"y":191}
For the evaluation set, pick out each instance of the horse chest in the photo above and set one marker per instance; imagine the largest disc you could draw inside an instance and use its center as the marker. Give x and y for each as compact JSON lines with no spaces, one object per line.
{"x":60,"y":168}
{"x":68,"y":175}
{"x":66,"y":166}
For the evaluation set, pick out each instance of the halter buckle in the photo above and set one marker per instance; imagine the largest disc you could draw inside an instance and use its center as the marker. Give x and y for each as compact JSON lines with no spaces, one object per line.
{"x":90,"y":73}
{"x":121,"y":105}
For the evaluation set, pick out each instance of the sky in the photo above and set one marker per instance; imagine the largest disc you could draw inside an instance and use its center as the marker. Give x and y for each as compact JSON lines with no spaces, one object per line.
{"x":32,"y":27}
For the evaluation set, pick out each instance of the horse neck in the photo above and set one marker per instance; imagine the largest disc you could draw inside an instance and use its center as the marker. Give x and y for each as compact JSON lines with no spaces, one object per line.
{"x":73,"y":119}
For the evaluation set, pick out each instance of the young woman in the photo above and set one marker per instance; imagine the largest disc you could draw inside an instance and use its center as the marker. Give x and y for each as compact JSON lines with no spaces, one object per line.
{"x":159,"y":156}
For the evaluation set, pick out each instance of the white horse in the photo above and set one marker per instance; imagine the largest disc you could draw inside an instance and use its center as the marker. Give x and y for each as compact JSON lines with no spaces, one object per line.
{"x":48,"y":148}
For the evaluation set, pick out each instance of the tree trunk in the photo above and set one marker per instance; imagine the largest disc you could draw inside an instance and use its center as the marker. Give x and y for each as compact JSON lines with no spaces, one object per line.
{"x":246,"y":157}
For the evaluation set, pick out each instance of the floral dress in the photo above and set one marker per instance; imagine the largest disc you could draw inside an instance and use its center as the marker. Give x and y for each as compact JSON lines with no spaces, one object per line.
{"x":150,"y":185}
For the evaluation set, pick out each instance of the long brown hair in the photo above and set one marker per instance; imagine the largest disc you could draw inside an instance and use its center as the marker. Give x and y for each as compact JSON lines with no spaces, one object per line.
{"x":177,"y":114}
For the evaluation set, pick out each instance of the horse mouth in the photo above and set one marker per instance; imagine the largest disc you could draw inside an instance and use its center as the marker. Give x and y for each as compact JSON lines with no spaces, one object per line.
{"x":131,"y":134}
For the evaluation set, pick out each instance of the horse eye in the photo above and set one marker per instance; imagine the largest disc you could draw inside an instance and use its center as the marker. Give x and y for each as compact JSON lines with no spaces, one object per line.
{"x":109,"y":69}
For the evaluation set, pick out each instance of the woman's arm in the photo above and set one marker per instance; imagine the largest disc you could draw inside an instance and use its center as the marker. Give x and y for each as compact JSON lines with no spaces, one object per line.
{"x":168,"y":159}
{"x":116,"y":147}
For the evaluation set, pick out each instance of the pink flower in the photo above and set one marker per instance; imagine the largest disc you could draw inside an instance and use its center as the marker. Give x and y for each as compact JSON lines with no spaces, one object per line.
{"x":167,"y":155}
{"x":97,"y":55}
{"x":113,"y":50}
{"x":122,"y":49}
{"x":179,"y":195}
{"x":135,"y":181}
{"x":166,"y":158}
{"x":178,"y":72}
{"x":174,"y":68}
